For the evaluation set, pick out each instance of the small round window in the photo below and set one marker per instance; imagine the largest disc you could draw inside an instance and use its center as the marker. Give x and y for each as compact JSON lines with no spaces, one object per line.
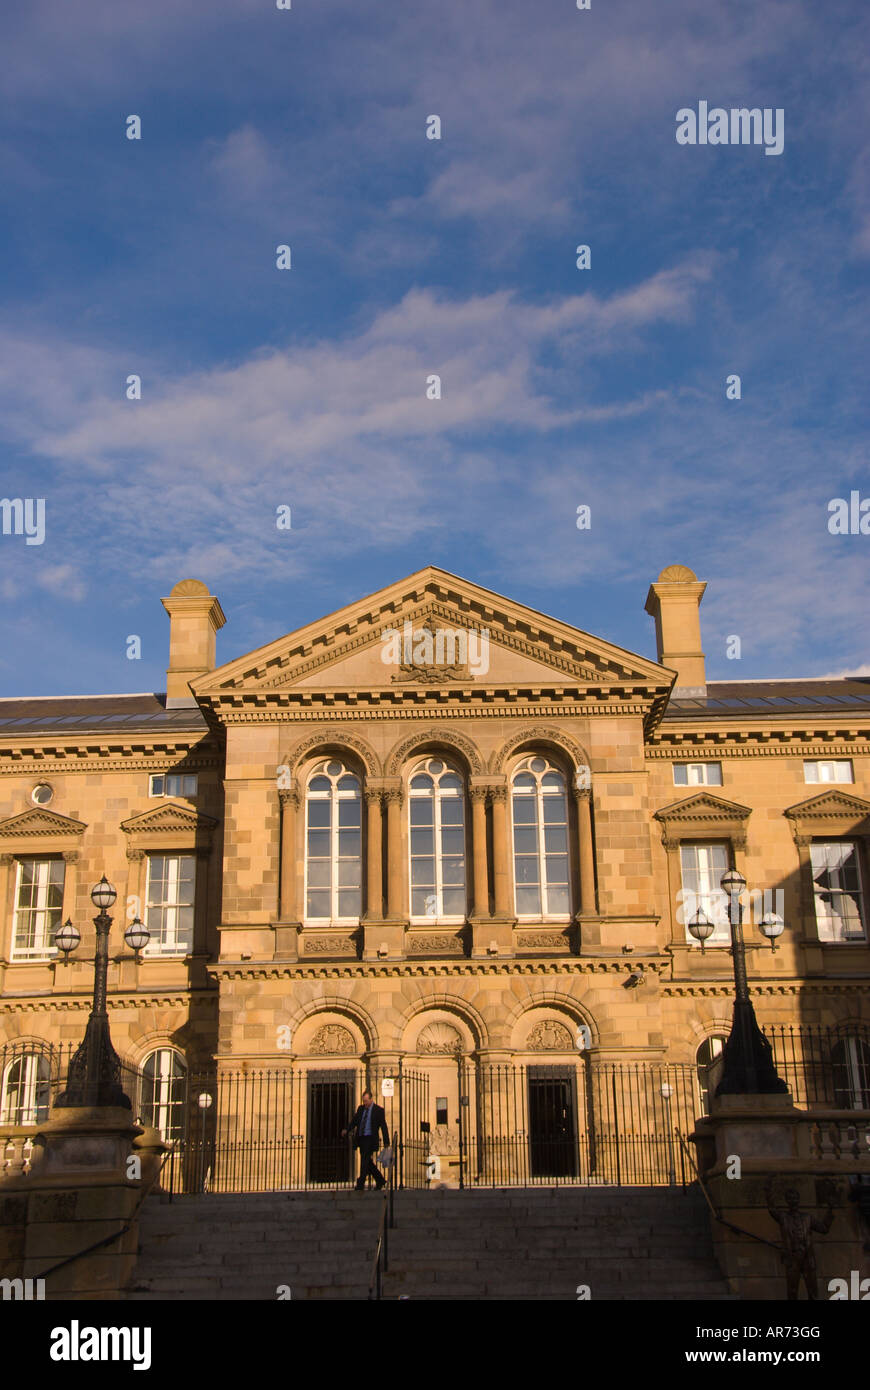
{"x":42,"y":794}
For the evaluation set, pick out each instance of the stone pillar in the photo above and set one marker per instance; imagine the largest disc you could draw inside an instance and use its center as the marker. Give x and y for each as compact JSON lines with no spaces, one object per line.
{"x":500,"y":852}
{"x":374,"y":876}
{"x":751,"y":1150}
{"x":395,"y":877}
{"x":493,"y":936}
{"x":478,"y":849}
{"x":81,"y":1191}
{"x":586,"y":851}
{"x":289,"y":896}
{"x":287,"y":928}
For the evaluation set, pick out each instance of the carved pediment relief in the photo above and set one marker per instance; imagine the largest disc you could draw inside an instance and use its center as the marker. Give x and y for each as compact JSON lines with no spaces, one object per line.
{"x":439,"y":1037}
{"x":40,"y":823}
{"x":169,"y":815}
{"x":827,"y":805}
{"x":346,"y":649}
{"x":332,"y":1039}
{"x":703,"y":814}
{"x":550,"y":1036}
{"x":833,"y":807}
{"x":703,"y":807}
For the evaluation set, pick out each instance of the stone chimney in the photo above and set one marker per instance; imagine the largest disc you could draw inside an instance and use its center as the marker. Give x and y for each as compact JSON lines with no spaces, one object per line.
{"x":673,"y":601}
{"x":195,"y":616}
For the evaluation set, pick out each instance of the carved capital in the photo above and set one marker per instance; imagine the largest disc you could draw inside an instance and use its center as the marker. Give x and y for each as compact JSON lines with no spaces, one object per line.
{"x":581,"y":793}
{"x":394,"y":797}
{"x":373,"y":798}
{"x":478,"y":795}
{"x":6,"y":860}
{"x":288,"y":796}
{"x":498,"y":794}
{"x":70,"y":856}
{"x":135,"y":854}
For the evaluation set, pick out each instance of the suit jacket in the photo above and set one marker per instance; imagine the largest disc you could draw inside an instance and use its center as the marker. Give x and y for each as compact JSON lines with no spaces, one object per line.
{"x":378,"y":1124}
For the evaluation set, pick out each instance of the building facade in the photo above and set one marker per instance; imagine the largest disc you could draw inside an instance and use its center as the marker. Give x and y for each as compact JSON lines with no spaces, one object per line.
{"x":442,"y":837}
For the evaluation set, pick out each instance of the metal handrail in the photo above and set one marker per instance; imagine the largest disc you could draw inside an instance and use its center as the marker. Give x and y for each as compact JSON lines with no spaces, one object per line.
{"x":116,"y":1235}
{"x":380,"y":1262}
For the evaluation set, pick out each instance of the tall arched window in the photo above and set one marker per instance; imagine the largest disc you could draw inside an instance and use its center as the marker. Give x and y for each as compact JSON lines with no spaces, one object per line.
{"x":164,"y":1093}
{"x":710,"y":1049}
{"x":436,"y":799}
{"x":333,"y":845}
{"x":850,"y":1058}
{"x":539,"y":807}
{"x":26,"y":1089}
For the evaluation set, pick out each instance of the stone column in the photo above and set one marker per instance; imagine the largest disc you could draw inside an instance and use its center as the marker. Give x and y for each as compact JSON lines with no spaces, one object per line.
{"x":287,"y":927}
{"x":374,"y":876}
{"x":478,"y":849}
{"x":289,"y":896}
{"x":500,"y":851}
{"x":586,"y":850}
{"x":395,"y":877}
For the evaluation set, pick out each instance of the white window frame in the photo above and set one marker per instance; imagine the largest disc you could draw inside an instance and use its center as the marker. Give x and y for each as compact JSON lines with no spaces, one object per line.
{"x":713,"y":901}
{"x":698,"y":774}
{"x":161,"y":779}
{"x":438,"y":794}
{"x":161,"y":1106}
{"x":25,"y":1111}
{"x":334,"y":796}
{"x":862,"y":906}
{"x":545,"y":915}
{"x":170,"y":945}
{"x":826,"y":771}
{"x":44,"y":947}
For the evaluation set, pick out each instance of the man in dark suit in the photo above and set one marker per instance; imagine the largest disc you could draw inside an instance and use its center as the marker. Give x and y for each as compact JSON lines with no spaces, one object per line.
{"x":367,"y":1123}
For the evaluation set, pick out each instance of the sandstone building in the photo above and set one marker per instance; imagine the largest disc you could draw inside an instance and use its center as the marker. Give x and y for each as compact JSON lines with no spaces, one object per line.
{"x":473,"y":851}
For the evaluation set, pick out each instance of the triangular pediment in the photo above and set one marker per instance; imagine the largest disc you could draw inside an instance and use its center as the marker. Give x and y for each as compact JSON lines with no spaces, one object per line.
{"x":486,"y":641}
{"x":169,"y":816}
{"x":703,"y":807}
{"x":40,"y":821}
{"x":832,"y":804}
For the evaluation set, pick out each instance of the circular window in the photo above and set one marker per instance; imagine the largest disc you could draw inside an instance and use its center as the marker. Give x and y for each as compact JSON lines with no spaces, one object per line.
{"x":334,"y":769}
{"x":538,"y":765}
{"x":42,"y":794}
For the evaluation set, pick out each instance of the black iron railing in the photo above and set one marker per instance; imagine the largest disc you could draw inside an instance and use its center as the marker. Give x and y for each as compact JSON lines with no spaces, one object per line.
{"x":573,"y":1120}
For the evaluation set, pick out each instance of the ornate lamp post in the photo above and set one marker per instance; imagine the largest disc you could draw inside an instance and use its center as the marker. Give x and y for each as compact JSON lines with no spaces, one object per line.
{"x":94,"y":1075}
{"x":748,"y":1067}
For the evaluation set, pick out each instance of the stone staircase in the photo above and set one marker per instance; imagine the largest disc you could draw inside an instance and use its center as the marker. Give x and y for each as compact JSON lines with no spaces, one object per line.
{"x":524,"y":1244}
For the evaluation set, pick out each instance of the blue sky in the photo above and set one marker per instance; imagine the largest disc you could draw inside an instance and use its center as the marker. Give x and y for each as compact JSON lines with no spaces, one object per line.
{"x":307,"y":387}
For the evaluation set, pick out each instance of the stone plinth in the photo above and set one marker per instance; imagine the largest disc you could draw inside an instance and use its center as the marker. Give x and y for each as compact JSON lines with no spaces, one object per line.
{"x":81,"y":1195}
{"x":749,"y":1142}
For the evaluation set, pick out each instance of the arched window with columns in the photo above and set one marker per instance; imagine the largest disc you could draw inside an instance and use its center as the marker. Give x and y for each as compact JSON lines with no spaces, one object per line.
{"x":436,"y":813}
{"x":539,"y":820}
{"x":333,"y":844}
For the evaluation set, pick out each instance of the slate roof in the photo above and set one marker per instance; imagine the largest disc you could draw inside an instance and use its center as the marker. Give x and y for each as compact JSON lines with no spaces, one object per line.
{"x":98,"y":713}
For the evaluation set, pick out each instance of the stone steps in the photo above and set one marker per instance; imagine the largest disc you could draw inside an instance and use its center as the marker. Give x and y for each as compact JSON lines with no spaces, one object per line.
{"x":512,"y":1244}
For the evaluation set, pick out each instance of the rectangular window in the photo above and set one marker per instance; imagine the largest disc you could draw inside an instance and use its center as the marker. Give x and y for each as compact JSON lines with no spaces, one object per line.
{"x":702,"y":867}
{"x":697,"y":774}
{"x":829,"y":770}
{"x":441,"y":1110}
{"x":169,"y":912}
{"x":174,"y":784}
{"x":38,"y":905}
{"x":838,"y":891}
